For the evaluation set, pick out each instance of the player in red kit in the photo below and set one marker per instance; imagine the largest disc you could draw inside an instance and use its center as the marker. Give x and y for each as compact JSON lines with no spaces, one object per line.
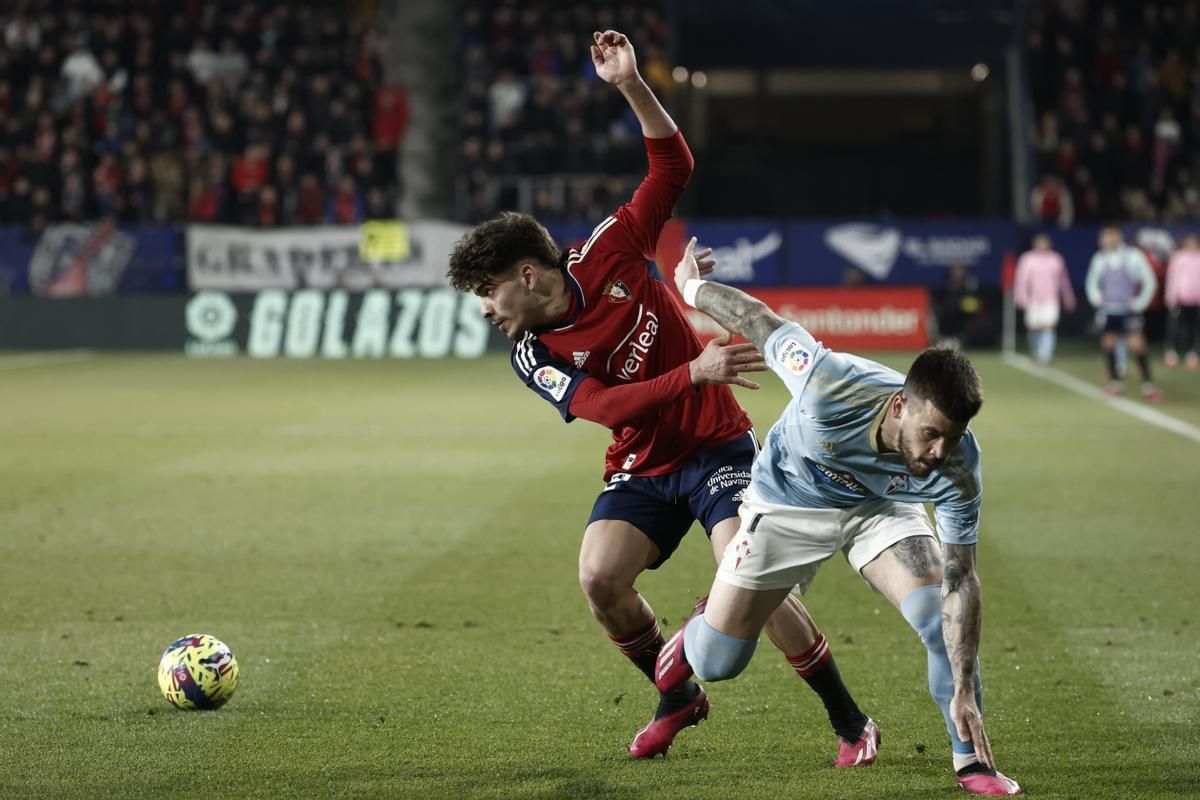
{"x":598,"y":334}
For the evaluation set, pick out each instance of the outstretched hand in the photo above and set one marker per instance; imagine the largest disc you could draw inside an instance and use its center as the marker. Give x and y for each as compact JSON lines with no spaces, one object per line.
{"x":693,"y":264}
{"x":613,"y":56}
{"x":721,"y":362}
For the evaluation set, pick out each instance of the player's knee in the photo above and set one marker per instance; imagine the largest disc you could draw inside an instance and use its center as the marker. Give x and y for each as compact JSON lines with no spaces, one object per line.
{"x":715,"y":656}
{"x":922,"y":608}
{"x":602,"y":589}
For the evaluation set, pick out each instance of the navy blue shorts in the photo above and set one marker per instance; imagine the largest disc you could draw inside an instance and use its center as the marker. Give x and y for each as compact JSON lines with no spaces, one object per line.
{"x":708,"y":489}
{"x":1123,"y":323}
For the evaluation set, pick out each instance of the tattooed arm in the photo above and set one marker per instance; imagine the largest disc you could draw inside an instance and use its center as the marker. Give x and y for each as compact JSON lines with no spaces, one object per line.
{"x":735,"y":310}
{"x":962,"y":619}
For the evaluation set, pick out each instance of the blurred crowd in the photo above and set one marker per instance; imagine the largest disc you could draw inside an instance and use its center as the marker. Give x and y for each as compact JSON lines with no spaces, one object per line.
{"x":1116,"y":89}
{"x":534,"y":107}
{"x":256,"y":113}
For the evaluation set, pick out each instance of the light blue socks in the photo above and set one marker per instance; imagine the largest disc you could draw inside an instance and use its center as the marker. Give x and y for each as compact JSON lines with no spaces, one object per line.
{"x":923,"y":610}
{"x":715,"y":656}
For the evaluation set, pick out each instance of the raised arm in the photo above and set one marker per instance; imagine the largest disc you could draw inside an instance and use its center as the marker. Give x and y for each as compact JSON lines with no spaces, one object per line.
{"x":962,"y":621}
{"x":735,"y":310}
{"x":617,"y":63}
{"x":670,"y":162}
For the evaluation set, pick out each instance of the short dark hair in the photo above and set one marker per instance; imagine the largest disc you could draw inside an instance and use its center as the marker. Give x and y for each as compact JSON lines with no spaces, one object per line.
{"x":493,"y":247}
{"x":945,"y":377}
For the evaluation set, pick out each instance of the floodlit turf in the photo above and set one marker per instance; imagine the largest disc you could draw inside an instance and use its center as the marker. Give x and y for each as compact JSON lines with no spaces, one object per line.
{"x":390,"y":549}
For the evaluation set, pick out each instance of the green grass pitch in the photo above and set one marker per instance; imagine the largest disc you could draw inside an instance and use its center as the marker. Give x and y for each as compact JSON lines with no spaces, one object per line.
{"x":390,"y":550}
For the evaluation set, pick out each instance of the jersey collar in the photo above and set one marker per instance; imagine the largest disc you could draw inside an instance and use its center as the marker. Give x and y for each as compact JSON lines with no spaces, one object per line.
{"x":573,"y":311}
{"x":877,"y":423}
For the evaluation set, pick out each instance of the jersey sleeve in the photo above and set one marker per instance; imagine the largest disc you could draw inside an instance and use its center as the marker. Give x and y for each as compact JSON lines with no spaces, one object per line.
{"x":958,"y":523}
{"x":1092,"y":284}
{"x":1141,"y":271}
{"x":958,"y":514}
{"x":641,"y":220}
{"x":554,"y":381}
{"x":1021,"y":283}
{"x":790,"y":353}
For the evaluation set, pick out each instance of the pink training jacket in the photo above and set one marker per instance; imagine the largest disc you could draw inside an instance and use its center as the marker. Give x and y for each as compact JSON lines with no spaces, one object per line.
{"x":1041,"y":279}
{"x":1183,"y":279}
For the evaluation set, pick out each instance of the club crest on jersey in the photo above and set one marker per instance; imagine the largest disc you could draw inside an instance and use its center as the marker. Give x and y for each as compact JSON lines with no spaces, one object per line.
{"x":898,"y":483}
{"x":552,"y":382}
{"x":828,"y":446}
{"x":793,"y":356}
{"x":617,"y":292}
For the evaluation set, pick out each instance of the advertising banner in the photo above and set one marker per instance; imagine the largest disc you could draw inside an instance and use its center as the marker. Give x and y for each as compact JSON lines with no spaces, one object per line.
{"x":828,"y":252}
{"x":90,"y":260}
{"x":408,"y":323}
{"x":871,"y":318}
{"x":747,"y":253}
{"x":900,"y":253}
{"x":389,"y":255}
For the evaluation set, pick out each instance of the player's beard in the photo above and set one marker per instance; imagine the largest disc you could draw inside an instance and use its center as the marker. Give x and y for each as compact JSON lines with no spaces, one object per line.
{"x":912,"y":461}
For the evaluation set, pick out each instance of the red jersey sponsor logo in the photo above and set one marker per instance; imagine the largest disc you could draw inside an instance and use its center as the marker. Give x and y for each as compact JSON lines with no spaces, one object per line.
{"x":645,"y":333}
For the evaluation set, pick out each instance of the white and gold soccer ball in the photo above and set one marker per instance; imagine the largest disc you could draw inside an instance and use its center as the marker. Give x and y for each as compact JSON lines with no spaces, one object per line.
{"x":197,"y":672}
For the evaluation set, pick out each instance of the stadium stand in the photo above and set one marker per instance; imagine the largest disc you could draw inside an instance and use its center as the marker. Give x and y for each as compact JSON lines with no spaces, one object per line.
{"x":259,"y":113}
{"x":1116,"y":91}
{"x":538,"y":134}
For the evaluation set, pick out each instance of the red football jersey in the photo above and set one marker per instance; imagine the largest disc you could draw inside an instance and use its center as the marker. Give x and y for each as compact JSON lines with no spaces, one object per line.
{"x":626,"y":326}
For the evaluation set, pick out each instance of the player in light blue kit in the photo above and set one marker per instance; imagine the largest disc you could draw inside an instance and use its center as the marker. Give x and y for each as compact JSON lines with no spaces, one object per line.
{"x":1120,"y":285}
{"x":847,"y":467}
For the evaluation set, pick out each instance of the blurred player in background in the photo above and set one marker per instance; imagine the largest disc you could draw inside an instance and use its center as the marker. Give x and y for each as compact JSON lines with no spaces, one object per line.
{"x":599,"y":335}
{"x":1183,"y":304}
{"x":1120,"y":285}
{"x":854,"y":456}
{"x":1041,"y":282}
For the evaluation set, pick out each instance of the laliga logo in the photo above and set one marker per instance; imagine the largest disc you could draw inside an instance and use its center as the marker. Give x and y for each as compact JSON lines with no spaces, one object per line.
{"x":795,"y":357}
{"x":552,"y":382}
{"x":549,"y":378}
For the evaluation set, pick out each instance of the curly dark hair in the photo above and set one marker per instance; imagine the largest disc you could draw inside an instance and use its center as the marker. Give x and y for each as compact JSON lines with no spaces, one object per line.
{"x":496,"y":246}
{"x":945,"y":377}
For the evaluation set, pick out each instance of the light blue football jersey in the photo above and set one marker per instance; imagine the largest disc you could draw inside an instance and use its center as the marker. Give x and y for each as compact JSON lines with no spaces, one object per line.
{"x":822,"y":452}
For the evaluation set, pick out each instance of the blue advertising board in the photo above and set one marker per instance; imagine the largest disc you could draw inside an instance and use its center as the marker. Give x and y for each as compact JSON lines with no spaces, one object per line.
{"x":901,"y":252}
{"x":88,"y":259}
{"x":822,"y":252}
{"x":74,"y":260}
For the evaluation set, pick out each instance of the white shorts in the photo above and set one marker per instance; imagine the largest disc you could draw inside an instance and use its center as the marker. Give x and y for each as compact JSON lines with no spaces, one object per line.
{"x":1041,"y":315}
{"x":778,"y":546}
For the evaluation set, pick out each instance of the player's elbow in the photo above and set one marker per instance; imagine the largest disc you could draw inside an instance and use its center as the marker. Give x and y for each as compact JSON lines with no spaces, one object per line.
{"x":687,"y":164}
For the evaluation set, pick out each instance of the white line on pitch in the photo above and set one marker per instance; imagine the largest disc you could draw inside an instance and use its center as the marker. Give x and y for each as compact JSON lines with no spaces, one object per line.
{"x":1086,"y":389}
{"x":22,"y":360}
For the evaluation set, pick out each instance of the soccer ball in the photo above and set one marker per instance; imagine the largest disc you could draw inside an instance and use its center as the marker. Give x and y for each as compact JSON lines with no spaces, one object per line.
{"x":197,"y":672}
